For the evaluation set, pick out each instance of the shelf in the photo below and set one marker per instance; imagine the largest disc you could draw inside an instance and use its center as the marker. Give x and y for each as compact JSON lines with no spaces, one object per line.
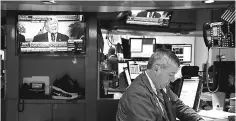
{"x":100,"y":99}
{"x":54,"y":54}
{"x":222,"y":47}
{"x":51,"y":101}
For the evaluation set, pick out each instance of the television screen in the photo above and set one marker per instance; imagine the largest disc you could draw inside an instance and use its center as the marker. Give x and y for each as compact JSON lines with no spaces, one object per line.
{"x":146,"y":45}
{"x":51,"y":33}
{"x":183,"y":52}
{"x":149,"y":17}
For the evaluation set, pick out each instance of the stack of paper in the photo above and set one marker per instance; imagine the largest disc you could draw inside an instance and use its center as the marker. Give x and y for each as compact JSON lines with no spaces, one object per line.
{"x":215,"y":114}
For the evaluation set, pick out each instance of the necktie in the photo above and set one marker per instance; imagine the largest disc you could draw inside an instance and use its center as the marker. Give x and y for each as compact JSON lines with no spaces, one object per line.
{"x":168,"y":106}
{"x":53,"y":37}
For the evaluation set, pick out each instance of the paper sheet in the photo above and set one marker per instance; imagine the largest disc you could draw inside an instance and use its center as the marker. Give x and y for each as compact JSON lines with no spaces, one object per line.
{"x":216,"y":114}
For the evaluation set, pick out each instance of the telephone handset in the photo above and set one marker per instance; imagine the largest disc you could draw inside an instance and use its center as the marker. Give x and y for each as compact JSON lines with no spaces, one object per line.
{"x":216,"y":34}
{"x":206,"y":27}
{"x":220,"y":33}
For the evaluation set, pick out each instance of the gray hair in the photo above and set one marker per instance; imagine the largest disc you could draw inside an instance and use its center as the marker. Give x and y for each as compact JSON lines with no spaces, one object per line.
{"x":49,"y":19}
{"x":164,"y":57}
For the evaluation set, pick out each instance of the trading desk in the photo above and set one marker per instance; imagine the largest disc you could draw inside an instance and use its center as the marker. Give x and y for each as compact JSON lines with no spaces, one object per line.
{"x":217,"y":115}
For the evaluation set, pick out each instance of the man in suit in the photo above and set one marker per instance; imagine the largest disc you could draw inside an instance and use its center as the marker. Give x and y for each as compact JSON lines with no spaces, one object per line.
{"x":20,"y":29}
{"x":52,"y":34}
{"x":112,"y":60}
{"x":149,"y":97}
{"x":149,"y":14}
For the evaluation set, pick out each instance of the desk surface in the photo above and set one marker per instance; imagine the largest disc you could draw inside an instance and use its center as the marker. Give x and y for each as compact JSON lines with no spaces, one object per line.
{"x":215,"y":115}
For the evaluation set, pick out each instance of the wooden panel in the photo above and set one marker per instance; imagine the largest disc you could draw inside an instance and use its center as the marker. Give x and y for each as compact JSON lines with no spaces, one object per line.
{"x":36,"y":112}
{"x":91,"y":69}
{"x":12,"y":70}
{"x":12,"y":61}
{"x":11,"y":110}
{"x":107,"y":110}
{"x":68,"y":112}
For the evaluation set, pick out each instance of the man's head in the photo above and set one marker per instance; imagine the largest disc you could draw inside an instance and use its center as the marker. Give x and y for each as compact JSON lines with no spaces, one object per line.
{"x":111,"y":51}
{"x":51,"y":25}
{"x":162,"y":67}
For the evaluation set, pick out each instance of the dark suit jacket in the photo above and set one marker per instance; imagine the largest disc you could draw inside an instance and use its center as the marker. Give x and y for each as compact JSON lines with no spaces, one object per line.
{"x":112,"y":63}
{"x":144,"y":14}
{"x":44,"y":37}
{"x":21,"y":38}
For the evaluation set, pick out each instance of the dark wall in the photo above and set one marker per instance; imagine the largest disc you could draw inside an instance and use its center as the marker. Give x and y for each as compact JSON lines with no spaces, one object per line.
{"x":107,"y":110}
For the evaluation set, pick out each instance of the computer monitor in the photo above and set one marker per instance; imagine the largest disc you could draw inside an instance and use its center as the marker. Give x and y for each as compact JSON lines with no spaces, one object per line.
{"x":142,"y":47}
{"x":183,"y":52}
{"x":190,"y":92}
{"x":136,"y":68}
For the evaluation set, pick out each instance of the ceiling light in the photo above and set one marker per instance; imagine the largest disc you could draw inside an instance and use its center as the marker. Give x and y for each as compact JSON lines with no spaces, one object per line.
{"x":48,"y":2}
{"x":209,"y":1}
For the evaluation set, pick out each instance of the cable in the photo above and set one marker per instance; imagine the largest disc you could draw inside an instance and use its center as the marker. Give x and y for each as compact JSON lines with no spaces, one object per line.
{"x":110,"y":39}
{"x":207,"y":80}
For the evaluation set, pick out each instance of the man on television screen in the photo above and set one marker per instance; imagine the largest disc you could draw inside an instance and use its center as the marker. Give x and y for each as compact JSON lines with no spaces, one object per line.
{"x":52,"y":34}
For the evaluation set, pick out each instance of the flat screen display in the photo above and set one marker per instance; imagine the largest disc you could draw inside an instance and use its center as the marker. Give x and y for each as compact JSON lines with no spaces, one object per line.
{"x":50,"y":33}
{"x":149,"y":17}
{"x":183,"y":52}
{"x":146,"y":45}
{"x":136,"y":45}
{"x":189,"y":91}
{"x":136,"y":68}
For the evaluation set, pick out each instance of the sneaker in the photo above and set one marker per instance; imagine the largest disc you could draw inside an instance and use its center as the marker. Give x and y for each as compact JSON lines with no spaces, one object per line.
{"x":58,"y":93}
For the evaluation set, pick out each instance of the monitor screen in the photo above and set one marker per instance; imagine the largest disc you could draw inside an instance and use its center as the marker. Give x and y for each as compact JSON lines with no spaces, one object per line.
{"x":189,"y":91}
{"x":146,"y":45}
{"x":149,"y":17}
{"x":136,"y":45}
{"x":183,"y":52}
{"x":136,"y":68}
{"x":50,"y":33}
